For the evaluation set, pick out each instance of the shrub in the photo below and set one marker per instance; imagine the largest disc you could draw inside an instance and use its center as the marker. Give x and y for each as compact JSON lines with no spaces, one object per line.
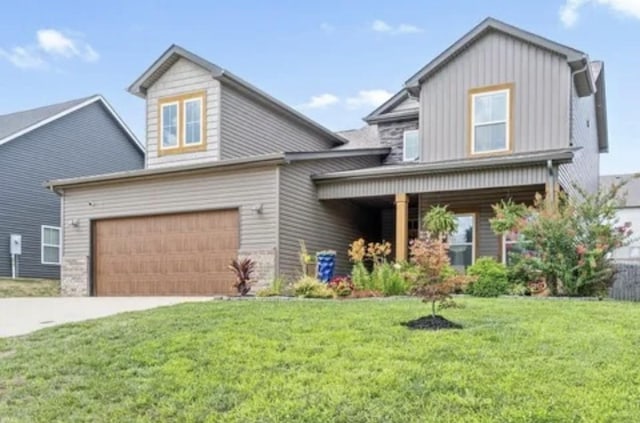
{"x":276,"y":288}
{"x":341,"y":285}
{"x":490,"y":278}
{"x":309,"y":287}
{"x":571,"y":239}
{"x":360,"y":276}
{"x":243,"y":271}
{"x":389,"y":279}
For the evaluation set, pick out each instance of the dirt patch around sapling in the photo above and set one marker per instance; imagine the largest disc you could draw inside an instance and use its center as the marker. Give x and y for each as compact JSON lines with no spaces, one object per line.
{"x":431,"y":323}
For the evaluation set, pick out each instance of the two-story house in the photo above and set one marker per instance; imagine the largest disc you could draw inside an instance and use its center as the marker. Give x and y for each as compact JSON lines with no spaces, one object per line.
{"x":232,"y":172}
{"x":75,"y":138}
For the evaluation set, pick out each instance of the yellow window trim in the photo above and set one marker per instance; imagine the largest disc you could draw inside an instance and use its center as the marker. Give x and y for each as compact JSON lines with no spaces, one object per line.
{"x":180,"y":100}
{"x":510,"y":120}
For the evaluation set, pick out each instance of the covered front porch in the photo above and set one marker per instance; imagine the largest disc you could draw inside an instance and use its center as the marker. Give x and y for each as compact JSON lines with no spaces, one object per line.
{"x":395,"y":198}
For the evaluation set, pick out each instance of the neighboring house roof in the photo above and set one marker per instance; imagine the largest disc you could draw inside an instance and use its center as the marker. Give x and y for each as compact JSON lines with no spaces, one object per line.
{"x":241,"y":163}
{"x":575,"y":58}
{"x":175,"y":52}
{"x":558,"y":156}
{"x":631,"y":189}
{"x":385,"y":112}
{"x":14,"y":125}
{"x":365,"y":137}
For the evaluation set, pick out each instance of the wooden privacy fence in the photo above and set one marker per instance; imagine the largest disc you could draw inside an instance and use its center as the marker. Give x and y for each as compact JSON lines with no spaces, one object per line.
{"x":626,"y":284}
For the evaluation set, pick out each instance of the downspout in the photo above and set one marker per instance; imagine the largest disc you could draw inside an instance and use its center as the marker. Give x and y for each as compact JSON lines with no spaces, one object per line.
{"x":571,"y":96}
{"x":551,"y":183}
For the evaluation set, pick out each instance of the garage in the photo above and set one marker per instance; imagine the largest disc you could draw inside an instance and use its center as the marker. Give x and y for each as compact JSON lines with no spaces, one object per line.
{"x":171,"y":254}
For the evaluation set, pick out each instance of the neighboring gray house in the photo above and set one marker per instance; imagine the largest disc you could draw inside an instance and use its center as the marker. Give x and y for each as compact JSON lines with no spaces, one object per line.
{"x":232,"y":172}
{"x":70,"y":139}
{"x":629,"y":212}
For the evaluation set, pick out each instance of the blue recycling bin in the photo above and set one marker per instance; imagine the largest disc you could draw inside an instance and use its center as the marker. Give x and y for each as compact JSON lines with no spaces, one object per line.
{"x":326,"y":262}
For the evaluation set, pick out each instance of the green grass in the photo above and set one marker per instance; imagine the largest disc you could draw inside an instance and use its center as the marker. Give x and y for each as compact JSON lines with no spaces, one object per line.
{"x":28,"y":288}
{"x":517,"y":360}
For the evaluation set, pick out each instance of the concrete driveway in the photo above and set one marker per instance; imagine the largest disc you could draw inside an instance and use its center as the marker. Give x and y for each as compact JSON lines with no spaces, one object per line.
{"x":19,"y":316}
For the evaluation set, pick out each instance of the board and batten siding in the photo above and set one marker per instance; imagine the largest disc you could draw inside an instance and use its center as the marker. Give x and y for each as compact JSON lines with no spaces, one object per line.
{"x":453,"y":181}
{"x":323,"y":225}
{"x":540,"y":96}
{"x":242,"y":189}
{"x":488,"y":244}
{"x":584,"y":170}
{"x":250,"y":128}
{"x":182,"y":78}
{"x":85,"y":142}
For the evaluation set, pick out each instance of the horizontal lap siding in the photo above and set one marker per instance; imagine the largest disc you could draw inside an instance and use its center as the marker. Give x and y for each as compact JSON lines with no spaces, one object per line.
{"x":182,"y":78}
{"x":250,"y":128}
{"x":477,"y":179}
{"x":541,"y":97}
{"x":85,"y":142}
{"x":322,"y":225}
{"x":244,"y":189}
{"x":480,"y":202}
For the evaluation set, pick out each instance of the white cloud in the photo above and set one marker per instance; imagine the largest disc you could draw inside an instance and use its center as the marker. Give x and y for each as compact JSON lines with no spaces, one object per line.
{"x":321,"y":101}
{"x":23,"y":58}
{"x":327,"y":28}
{"x":59,"y":44}
{"x":50,"y":44}
{"x":381,"y":26}
{"x":368,"y":98}
{"x":570,"y":11}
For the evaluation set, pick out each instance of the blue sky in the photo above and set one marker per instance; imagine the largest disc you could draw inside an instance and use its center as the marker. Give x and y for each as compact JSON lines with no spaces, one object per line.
{"x":334,"y":60}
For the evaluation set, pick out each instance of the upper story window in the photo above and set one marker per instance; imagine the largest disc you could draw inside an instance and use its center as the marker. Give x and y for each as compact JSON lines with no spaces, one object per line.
{"x":182,"y":125}
{"x":411,"y":146}
{"x":491,"y":119}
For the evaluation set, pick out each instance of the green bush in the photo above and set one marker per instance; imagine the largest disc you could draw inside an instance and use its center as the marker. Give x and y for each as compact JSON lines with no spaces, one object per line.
{"x":360,"y":276}
{"x":490,"y":278}
{"x":389,"y":279}
{"x":309,"y":287}
{"x":276,"y":288}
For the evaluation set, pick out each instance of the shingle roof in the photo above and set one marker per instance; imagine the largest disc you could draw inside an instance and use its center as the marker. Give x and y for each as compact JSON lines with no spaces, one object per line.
{"x":18,"y":121}
{"x":365,"y":137}
{"x":631,"y":189}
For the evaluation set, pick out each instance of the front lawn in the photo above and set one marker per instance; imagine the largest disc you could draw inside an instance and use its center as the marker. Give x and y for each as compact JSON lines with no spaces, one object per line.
{"x":28,"y":288}
{"x":516,"y":360}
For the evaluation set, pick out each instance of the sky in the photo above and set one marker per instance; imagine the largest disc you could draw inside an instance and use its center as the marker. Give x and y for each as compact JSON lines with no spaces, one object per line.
{"x":333,"y":60}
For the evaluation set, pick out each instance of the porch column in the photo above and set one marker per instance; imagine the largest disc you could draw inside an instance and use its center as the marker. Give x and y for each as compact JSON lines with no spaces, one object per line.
{"x":402,"y":226}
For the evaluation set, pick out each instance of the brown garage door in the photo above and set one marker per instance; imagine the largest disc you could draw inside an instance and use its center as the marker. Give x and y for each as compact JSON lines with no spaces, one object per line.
{"x":177,"y":254}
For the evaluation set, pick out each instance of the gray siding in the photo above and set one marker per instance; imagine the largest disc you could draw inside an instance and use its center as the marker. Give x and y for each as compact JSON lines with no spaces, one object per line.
{"x":322,"y":225}
{"x":182,"y":78}
{"x":541,"y":96}
{"x":455,"y":181}
{"x":249,"y":128}
{"x":243,"y":189}
{"x":391,"y":134}
{"x":479,"y":202}
{"x":585,"y":168}
{"x":85,"y":142}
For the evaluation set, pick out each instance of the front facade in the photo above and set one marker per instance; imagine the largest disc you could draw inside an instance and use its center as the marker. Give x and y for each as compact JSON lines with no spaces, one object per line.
{"x":232,"y":172}
{"x":76,"y":138}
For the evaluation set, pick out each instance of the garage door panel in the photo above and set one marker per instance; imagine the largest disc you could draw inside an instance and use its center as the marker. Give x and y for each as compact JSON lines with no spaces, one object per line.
{"x":181,"y":254}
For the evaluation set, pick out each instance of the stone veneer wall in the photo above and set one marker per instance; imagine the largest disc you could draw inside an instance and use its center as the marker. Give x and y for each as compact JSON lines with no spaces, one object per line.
{"x":265,"y":270}
{"x":391,"y":135}
{"x":75,"y":277}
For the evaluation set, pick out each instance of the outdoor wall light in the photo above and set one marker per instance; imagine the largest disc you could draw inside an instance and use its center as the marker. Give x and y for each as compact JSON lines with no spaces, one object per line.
{"x":257,"y":208}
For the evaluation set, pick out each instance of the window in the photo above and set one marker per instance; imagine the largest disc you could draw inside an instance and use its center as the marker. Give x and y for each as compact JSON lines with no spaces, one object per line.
{"x":182,"y":125}
{"x":411,"y":146}
{"x":50,"y":242}
{"x":490,"y":119}
{"x":462,"y":242}
{"x":512,"y":243}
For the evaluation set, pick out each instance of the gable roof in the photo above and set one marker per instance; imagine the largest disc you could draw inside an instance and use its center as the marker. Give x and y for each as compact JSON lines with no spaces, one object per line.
{"x":174,"y":53}
{"x":576,"y":58}
{"x":385,"y":111}
{"x":14,"y":125}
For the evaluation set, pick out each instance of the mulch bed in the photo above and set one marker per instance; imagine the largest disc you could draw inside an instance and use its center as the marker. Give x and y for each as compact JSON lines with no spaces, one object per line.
{"x":431,"y":323}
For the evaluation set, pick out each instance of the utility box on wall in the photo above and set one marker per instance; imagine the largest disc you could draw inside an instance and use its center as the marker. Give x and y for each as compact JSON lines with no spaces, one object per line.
{"x":15,"y":244}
